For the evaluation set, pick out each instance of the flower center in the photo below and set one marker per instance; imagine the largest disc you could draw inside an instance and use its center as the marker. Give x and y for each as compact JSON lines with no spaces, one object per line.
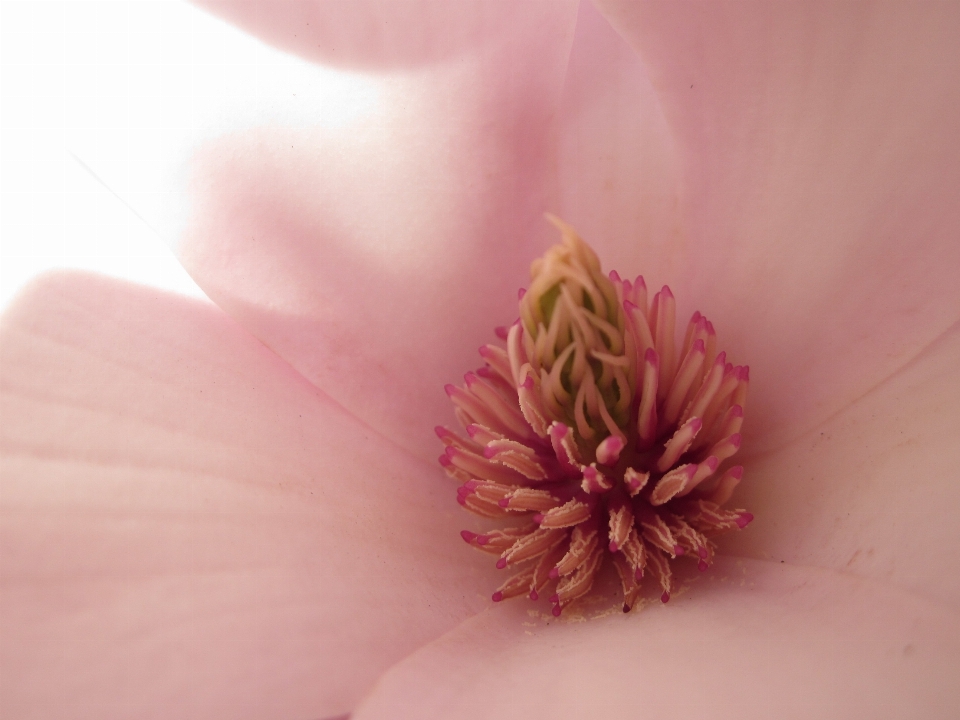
{"x":593,"y":433}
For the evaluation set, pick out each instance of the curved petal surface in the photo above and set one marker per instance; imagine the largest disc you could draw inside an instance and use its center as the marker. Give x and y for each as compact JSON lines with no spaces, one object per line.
{"x":873,"y":490}
{"x":750,"y":640}
{"x":819,"y":150}
{"x":375,"y":256}
{"x":189,"y":529}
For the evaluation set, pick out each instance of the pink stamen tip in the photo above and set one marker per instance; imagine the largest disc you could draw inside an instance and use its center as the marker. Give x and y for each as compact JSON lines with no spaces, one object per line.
{"x":520,"y":293}
{"x":471,"y":485}
{"x":450,"y":389}
{"x":444,"y":460}
{"x":638,"y":574}
{"x":696,"y":425}
{"x":626,"y":608}
{"x":746,"y":372}
{"x":614,"y":275}
{"x":505,"y":503}
{"x":665,"y":292}
{"x":712,"y":462}
{"x":501,"y":563}
{"x":534,"y":595}
{"x":697,"y":315}
{"x":485,"y":373}
{"x":640,"y":282}
{"x":735,"y":440}
{"x":462,"y":499}
{"x":527,"y":383}
{"x":702,"y":565}
{"x":556,"y":611}
{"x":463,"y":491}
{"x":560,"y":430}
{"x":736,"y":411}
{"x":555,"y":598}
{"x":702,"y":552}
{"x":441,"y":431}
{"x":472,"y":430}
{"x":468,"y":536}
{"x":553,"y":574}
{"x":489,"y":452}
{"x":613,"y":547}
{"x":628,"y":306}
{"x":450,"y":451}
{"x":497,"y":596}
{"x":698,"y":346}
{"x":665,"y":598}
{"x":677,"y":550}
{"x":469,"y":378}
{"x":744,"y":520}
{"x":501,"y":332}
{"x":736,"y":472}
{"x":483,"y":539}
{"x":538,"y":518}
{"x":650,"y":356}
{"x":710,"y":328}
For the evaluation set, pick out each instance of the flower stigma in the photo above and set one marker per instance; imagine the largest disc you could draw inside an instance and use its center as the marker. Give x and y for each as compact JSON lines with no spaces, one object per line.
{"x":596,"y":435}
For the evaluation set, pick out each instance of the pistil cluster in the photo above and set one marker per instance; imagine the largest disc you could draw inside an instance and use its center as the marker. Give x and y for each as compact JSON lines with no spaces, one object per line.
{"x":596,"y":435}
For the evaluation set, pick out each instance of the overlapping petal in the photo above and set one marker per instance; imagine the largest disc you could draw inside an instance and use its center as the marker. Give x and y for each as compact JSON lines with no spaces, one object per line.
{"x":191,"y":529}
{"x":755,"y":640}
{"x":376,"y":256}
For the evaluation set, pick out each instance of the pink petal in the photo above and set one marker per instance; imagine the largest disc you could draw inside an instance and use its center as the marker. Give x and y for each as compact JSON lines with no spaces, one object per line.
{"x":189,"y":529}
{"x":819,"y":150}
{"x":872,"y":491}
{"x":377,"y":256}
{"x":749,"y":640}
{"x":618,"y":172}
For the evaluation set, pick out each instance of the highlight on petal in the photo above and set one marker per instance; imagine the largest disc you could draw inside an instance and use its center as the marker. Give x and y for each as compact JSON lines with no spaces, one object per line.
{"x":597,"y":436}
{"x":189,"y":529}
{"x":371,"y":256}
{"x":749,"y":641}
{"x":378,"y":34}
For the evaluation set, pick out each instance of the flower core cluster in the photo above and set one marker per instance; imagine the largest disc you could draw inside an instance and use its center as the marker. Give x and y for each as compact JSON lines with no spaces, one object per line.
{"x":596,"y":435}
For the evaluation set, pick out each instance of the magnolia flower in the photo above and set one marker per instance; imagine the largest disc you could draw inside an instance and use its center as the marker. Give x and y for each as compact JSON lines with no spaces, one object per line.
{"x":235,"y":511}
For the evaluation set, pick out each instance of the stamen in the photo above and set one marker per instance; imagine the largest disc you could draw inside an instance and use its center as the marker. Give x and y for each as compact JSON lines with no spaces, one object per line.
{"x":567,"y":423}
{"x":594,"y":481}
{"x":608,"y":451}
{"x":569,"y":514}
{"x":689,"y":370}
{"x":728,"y":483}
{"x":672,"y":484}
{"x":678,"y":444}
{"x":647,"y":417}
{"x":635,"y":481}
